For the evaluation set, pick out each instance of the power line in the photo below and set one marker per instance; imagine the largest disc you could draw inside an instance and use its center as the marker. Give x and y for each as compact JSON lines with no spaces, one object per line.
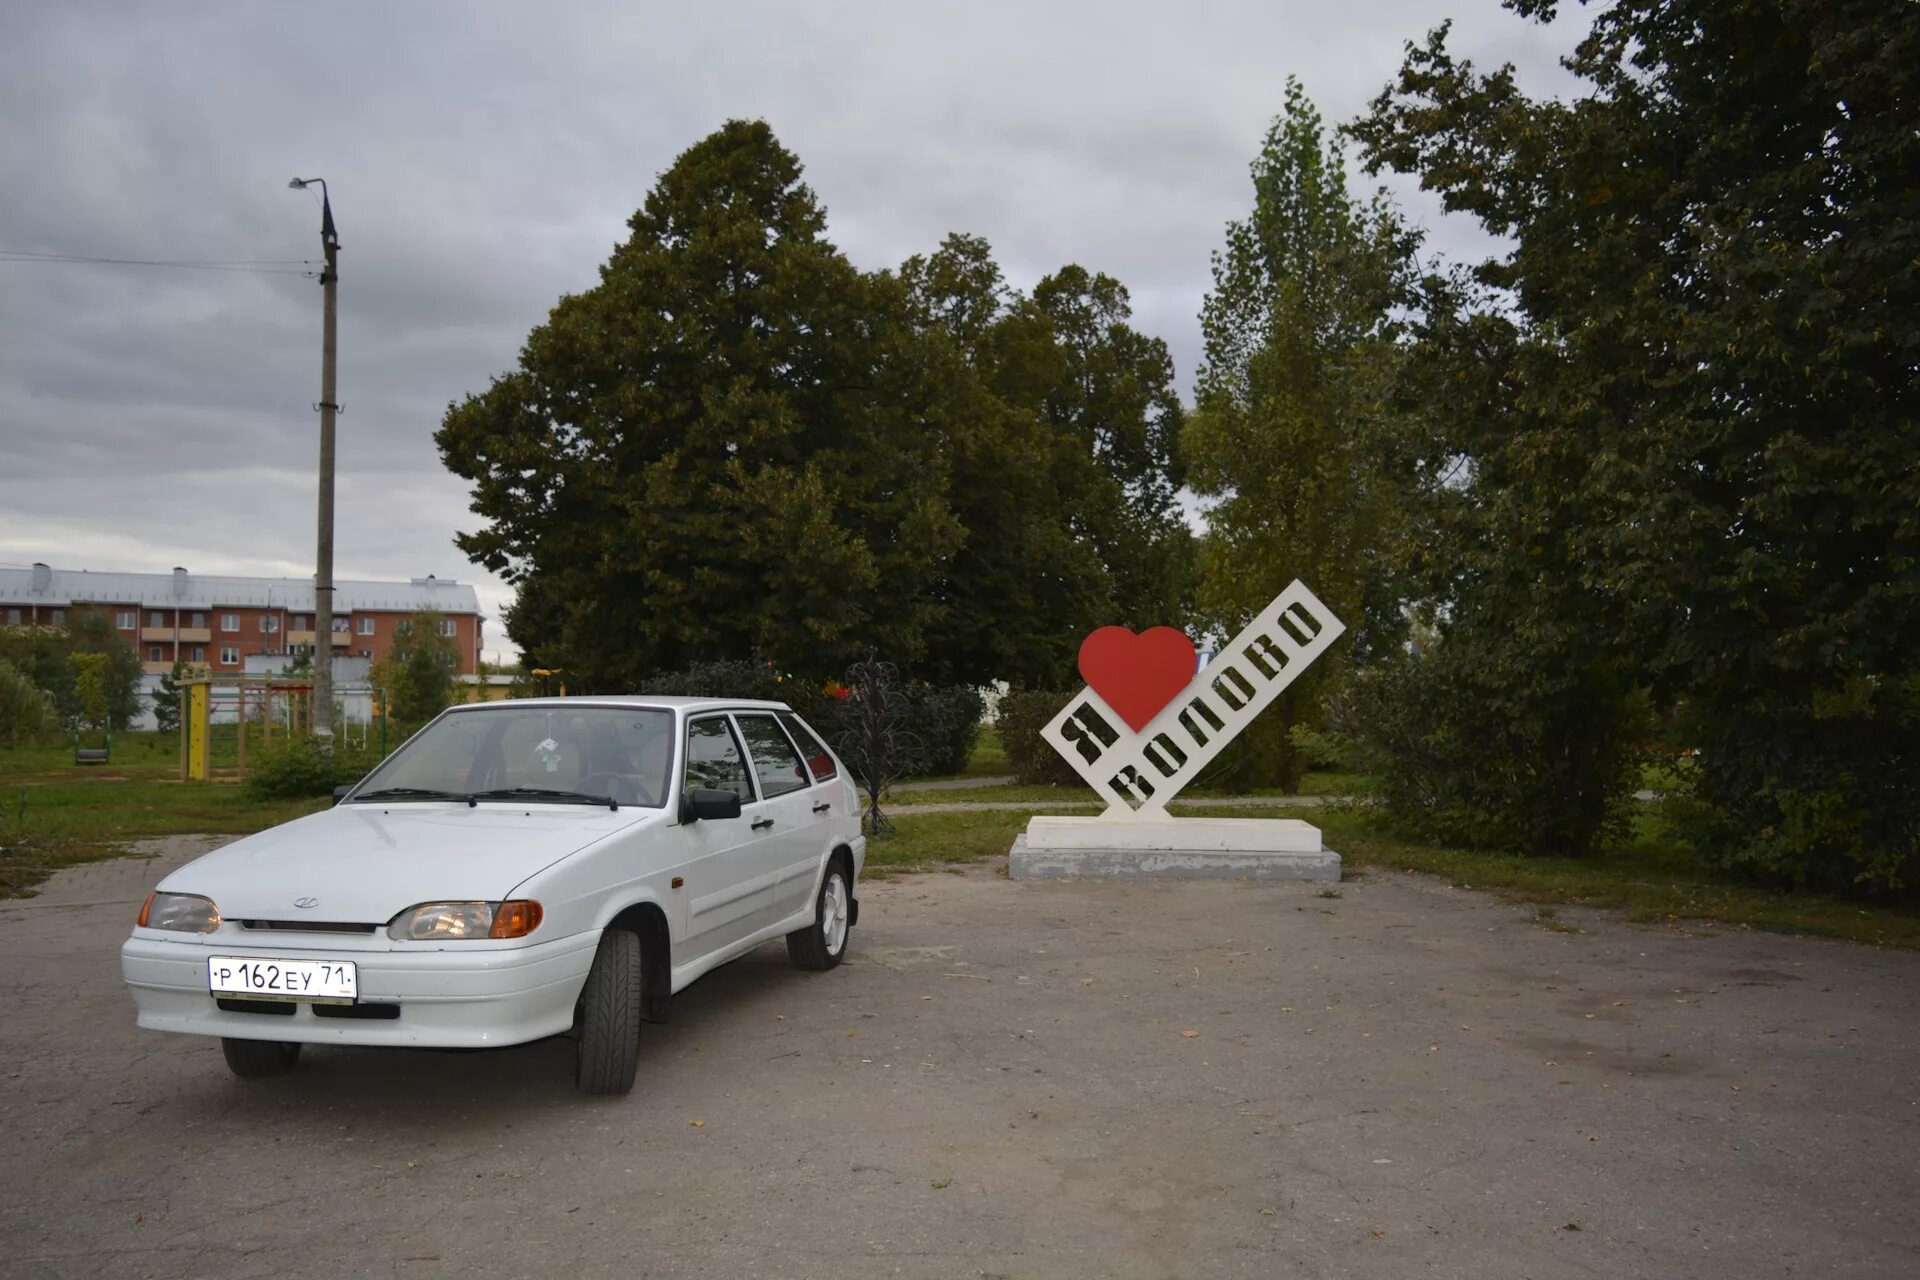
{"x":247,"y":266}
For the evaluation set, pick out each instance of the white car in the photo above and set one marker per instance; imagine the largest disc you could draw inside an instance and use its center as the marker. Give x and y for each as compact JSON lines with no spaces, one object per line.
{"x":516,"y":870}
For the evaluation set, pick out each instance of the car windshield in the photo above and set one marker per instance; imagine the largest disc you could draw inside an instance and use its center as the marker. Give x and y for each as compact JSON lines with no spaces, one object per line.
{"x":513,"y":753}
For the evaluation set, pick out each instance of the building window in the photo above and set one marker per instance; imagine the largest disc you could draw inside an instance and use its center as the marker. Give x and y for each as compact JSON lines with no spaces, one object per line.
{"x":302,"y":622}
{"x":340,"y":623}
{"x":126,"y":619}
{"x":59,"y":617}
{"x":155,"y":618}
{"x":13,"y":617}
{"x":269,"y":624}
{"x":199,"y":619}
{"x":229,"y":622}
{"x":447,"y":628}
{"x":404,"y":627}
{"x":366,"y":653}
{"x":199,"y":653}
{"x":366,"y":626}
{"x":229,"y":656}
{"x":153,"y":653}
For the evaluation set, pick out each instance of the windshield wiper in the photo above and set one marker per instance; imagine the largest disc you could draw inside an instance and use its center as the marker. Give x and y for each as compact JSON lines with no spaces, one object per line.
{"x":411,"y":793}
{"x":545,"y":795}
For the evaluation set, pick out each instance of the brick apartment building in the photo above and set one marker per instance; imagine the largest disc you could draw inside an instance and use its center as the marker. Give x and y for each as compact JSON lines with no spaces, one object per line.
{"x":219,"y":622}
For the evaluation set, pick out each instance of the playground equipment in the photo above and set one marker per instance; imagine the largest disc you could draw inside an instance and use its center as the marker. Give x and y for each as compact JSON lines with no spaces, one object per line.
{"x":101,"y":754}
{"x":220,"y":709}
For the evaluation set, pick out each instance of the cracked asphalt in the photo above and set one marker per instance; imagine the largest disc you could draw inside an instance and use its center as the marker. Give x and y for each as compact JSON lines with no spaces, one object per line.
{"x":1053,"y":1079}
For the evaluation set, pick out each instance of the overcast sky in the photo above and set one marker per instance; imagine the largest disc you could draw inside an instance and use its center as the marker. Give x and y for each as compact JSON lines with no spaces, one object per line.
{"x":483,"y":160}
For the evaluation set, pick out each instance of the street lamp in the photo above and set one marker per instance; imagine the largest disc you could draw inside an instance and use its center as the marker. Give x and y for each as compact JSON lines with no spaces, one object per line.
{"x":323,"y":566}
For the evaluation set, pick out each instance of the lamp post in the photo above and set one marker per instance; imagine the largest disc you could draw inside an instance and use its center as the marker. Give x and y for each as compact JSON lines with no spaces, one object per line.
{"x":323,"y":565}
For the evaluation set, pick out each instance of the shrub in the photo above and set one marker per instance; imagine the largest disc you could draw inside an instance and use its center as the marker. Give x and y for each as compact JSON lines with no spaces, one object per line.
{"x":946,"y":720}
{"x":1819,"y":792}
{"x":1023,"y":714}
{"x":740,"y":678}
{"x":293,"y":768}
{"x":1463,"y":754}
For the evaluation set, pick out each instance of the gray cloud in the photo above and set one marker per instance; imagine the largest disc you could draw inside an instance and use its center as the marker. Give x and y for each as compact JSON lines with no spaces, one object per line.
{"x":484,"y":159}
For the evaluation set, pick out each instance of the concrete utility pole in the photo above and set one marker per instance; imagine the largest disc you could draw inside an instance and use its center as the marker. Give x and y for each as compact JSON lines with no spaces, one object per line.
{"x":322,"y":718}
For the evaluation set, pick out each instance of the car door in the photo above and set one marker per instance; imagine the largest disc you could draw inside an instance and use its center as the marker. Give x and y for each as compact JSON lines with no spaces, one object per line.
{"x":794,"y":844}
{"x":729,"y":864}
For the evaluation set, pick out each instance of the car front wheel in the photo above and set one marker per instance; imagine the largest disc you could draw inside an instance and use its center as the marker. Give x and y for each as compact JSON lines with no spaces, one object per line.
{"x":607,"y":1050}
{"x":822,"y":944}
{"x":252,"y":1059}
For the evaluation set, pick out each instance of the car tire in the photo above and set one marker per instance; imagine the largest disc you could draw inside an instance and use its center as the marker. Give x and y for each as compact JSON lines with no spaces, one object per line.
{"x":256,"y":1059}
{"x":607,"y":1048}
{"x":823,"y":944}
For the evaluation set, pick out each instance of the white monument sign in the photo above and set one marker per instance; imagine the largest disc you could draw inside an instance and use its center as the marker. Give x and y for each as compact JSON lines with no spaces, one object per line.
{"x":1146,"y":725}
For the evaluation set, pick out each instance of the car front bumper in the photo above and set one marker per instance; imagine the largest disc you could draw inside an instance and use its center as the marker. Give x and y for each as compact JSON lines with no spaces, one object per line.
{"x":446,"y":999}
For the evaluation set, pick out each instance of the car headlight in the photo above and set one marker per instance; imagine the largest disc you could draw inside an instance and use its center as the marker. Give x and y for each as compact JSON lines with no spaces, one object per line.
{"x":180,"y":912}
{"x":448,"y":921}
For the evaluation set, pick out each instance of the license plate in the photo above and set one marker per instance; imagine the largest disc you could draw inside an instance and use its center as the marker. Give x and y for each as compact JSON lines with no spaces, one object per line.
{"x":318,"y":981}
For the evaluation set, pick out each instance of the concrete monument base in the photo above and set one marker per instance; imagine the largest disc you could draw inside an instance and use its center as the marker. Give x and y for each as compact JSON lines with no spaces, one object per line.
{"x":1190,"y":848}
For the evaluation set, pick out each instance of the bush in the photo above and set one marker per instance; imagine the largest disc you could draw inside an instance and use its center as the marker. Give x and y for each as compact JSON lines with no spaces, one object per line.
{"x":943,"y":718}
{"x":739,"y":678}
{"x":294,"y":768}
{"x":1462,"y":754}
{"x":1023,"y":714}
{"x":946,"y":720}
{"x":1808,"y":792}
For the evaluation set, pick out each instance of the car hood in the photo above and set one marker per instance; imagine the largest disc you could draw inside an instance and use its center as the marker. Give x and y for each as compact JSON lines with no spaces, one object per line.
{"x":366,"y":863}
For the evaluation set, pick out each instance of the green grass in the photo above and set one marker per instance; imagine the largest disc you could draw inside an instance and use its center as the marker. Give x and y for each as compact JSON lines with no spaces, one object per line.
{"x":924,"y":841}
{"x":49,"y":824}
{"x":1649,"y":880}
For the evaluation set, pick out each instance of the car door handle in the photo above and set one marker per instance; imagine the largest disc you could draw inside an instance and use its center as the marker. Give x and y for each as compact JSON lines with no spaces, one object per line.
{"x":823,"y":808}
{"x":763,"y":824}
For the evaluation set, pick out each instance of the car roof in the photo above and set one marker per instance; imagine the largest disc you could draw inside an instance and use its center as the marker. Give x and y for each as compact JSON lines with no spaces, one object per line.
{"x":668,"y":702}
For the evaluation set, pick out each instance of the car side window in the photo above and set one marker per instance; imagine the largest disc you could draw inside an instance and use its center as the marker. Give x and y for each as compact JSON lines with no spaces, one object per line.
{"x":714,"y":759}
{"x":819,"y":761}
{"x":775,"y":763}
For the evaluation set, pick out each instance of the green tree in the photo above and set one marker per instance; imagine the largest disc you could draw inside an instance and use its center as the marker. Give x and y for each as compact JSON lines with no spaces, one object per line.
{"x":418,"y":671}
{"x":90,"y":689}
{"x":1692,"y":460}
{"x":91,"y":631}
{"x":1310,"y":469}
{"x":1059,"y":423}
{"x":26,"y":712}
{"x":715,"y":450}
{"x":167,"y":698}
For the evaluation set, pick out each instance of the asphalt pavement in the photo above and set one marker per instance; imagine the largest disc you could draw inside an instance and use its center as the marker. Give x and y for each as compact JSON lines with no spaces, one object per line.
{"x":1054,"y":1079}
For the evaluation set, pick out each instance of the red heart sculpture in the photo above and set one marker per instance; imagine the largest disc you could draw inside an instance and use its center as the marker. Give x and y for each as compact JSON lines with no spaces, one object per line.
{"x":1137,"y":674}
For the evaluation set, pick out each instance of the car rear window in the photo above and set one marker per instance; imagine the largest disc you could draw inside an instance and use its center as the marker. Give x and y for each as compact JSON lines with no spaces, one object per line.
{"x":774,"y":762}
{"x":819,"y":760}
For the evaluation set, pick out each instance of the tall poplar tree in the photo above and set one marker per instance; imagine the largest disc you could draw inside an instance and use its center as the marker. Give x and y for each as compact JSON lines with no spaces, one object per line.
{"x":1307,"y":466}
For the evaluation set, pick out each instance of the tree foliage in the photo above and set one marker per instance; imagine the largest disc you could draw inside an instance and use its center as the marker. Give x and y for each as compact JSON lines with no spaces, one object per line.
{"x":418,"y":671}
{"x":1310,"y":468}
{"x":1684,"y":399}
{"x":26,"y":712}
{"x":739,"y":445}
{"x":48,"y":657}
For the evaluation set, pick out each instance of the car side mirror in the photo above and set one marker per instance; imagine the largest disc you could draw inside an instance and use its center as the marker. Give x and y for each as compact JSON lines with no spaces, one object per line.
{"x":340,"y":793}
{"x":708,"y":803}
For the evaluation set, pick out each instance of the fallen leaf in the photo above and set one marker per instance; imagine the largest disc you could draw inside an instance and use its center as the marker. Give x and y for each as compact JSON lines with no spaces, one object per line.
{"x":941,"y":1184}
{"x":1086,"y":982}
{"x":1266,"y":1213}
{"x":1189,"y":1034}
{"x":697,"y":1124}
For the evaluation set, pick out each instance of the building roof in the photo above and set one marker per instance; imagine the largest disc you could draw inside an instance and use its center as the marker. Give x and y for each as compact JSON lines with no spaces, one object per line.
{"x":183,"y":590}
